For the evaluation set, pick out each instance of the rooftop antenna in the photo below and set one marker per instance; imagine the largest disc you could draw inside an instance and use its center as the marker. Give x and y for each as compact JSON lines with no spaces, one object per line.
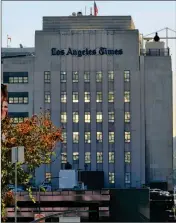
{"x":91,"y":11}
{"x":85,"y":10}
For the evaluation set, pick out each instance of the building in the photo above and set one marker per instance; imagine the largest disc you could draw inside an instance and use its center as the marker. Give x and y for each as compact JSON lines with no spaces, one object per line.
{"x":112,"y":95}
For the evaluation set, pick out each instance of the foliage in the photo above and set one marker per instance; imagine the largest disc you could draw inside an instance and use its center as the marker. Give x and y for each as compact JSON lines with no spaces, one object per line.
{"x":39,"y":137}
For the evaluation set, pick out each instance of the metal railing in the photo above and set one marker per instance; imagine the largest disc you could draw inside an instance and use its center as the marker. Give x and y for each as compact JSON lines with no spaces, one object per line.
{"x":155,"y":52}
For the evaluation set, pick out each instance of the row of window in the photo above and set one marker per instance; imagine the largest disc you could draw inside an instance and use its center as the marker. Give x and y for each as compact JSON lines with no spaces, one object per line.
{"x":18,"y":100}
{"x":87,"y":97}
{"x":99,"y":157}
{"x":75,"y":76}
{"x":99,"y":137}
{"x":111,"y":177}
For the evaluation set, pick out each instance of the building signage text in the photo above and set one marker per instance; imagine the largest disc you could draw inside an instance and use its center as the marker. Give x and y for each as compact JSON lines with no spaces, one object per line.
{"x":86,"y":52}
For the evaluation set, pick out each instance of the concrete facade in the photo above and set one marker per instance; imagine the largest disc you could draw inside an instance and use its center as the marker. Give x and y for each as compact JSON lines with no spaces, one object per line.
{"x":149,"y":130}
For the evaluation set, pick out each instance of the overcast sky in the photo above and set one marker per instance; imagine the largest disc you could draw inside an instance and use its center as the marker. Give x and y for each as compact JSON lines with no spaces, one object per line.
{"x":21,"y":19}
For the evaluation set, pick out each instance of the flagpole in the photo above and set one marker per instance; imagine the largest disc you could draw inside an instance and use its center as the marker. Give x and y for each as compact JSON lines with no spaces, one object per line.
{"x":7,"y":41}
{"x":85,"y":10}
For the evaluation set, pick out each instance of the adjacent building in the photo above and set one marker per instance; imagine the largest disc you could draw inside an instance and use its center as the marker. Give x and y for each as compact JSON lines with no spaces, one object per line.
{"x":112,"y":95}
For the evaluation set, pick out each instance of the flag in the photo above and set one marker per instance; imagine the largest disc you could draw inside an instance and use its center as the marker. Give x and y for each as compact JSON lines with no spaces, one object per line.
{"x":95,"y":9}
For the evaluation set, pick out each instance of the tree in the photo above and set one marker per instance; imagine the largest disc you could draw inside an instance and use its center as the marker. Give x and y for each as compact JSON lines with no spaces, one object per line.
{"x":39,"y":137}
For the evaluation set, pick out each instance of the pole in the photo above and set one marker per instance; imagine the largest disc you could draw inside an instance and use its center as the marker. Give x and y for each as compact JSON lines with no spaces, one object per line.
{"x":166,"y":37}
{"x":39,"y":199}
{"x":85,"y":10}
{"x":16,"y":160}
{"x":7,"y":41}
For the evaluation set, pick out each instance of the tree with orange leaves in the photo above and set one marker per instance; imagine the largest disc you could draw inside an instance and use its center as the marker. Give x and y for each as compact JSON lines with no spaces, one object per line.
{"x":39,"y":137}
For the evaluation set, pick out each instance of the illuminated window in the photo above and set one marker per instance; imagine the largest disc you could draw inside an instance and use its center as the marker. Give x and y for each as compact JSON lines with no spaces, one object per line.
{"x":75,"y":137}
{"x":99,"y":76}
{"x":111,"y":157}
{"x":75,"y":97}
{"x":111,"y":137}
{"x":111,"y":96}
{"x":63,"y":157}
{"x":127,"y":178}
{"x":15,"y":78}
{"x":75,"y":156}
{"x":111,"y":116}
{"x":110,"y":75}
{"x":127,"y":157}
{"x":47,"y":77}
{"x":47,"y":97}
{"x":87,"y":117}
{"x":63,"y":97}
{"x":127,"y":117}
{"x":99,"y":157}
{"x":99,"y":97}
{"x":111,"y":177}
{"x":99,"y":117}
{"x":48,"y":176}
{"x":18,"y":100}
{"x":63,"y":77}
{"x":126,"y":96}
{"x":99,"y":136}
{"x":126,"y":75}
{"x":63,"y":117}
{"x":87,"y":137}
{"x":127,"y":137}
{"x":75,"y":117}
{"x":16,"y":120}
{"x":86,"y":77}
{"x":75,"y":76}
{"x":87,"y":157}
{"x":64,"y":136}
{"x":86,"y":96}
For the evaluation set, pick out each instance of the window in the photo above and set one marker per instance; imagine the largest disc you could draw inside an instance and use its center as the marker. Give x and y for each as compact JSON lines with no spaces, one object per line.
{"x":127,"y":137}
{"x":86,"y":96}
{"x":16,"y":120}
{"x":111,"y":177}
{"x":75,"y":156}
{"x":87,"y":157}
{"x":111,"y":76}
{"x":99,"y":76}
{"x":111,"y":157}
{"x":127,"y":117}
{"x":18,"y":117}
{"x":64,"y":136}
{"x":111,"y":137}
{"x":99,"y":137}
{"x":111,"y":96}
{"x":87,"y":117}
{"x":99,"y":97}
{"x":63,"y":77}
{"x":111,"y":116}
{"x":47,"y":97}
{"x":15,"y":77}
{"x":75,"y":77}
{"x":63,"y":157}
{"x":86,"y":77}
{"x":126,"y":75}
{"x":75,"y":117}
{"x":99,"y":157}
{"x":99,"y":117}
{"x":127,"y":157}
{"x":18,"y":97}
{"x":63,"y":117}
{"x":127,"y":96}
{"x":63,"y":97}
{"x":75,"y":97}
{"x":127,"y":178}
{"x":75,"y":137}
{"x":48,"y":176}
{"x":87,"y":137}
{"x":47,"y":76}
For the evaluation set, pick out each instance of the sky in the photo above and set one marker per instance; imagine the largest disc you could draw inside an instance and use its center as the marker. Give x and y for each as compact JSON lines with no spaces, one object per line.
{"x":21,"y":19}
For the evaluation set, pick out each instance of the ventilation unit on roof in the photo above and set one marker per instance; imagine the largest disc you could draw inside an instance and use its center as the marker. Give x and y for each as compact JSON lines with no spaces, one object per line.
{"x":79,"y":14}
{"x":74,"y":14}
